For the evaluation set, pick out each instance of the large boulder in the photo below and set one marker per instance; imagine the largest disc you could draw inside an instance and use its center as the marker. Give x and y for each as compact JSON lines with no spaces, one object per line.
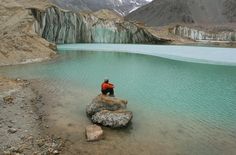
{"x":114,"y":119}
{"x":103,"y":102}
{"x":109,"y":111}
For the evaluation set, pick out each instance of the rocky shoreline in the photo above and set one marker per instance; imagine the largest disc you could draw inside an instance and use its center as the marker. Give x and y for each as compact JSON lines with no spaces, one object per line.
{"x":26,"y":125}
{"x":23,"y":128}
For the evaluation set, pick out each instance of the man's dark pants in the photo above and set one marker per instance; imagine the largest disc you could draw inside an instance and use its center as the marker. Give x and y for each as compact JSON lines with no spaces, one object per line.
{"x":110,"y":91}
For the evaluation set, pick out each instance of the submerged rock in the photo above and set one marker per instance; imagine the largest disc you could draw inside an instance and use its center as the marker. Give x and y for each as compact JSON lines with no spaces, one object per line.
{"x":102,"y":102}
{"x":114,"y":119}
{"x":93,"y":133}
{"x":109,"y":111}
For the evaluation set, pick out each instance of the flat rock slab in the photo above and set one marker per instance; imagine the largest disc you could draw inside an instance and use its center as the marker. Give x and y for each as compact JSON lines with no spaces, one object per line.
{"x":114,"y":119}
{"x":93,"y":133}
{"x":103,"y":102}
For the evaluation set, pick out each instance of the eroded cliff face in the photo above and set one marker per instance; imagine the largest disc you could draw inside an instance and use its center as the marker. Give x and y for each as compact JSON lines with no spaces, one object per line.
{"x":60,"y":26}
{"x":195,"y":34}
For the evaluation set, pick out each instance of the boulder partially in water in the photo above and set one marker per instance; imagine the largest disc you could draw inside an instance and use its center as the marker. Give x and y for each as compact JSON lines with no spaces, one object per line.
{"x":109,"y":111}
{"x":103,"y":102}
{"x":114,"y":119}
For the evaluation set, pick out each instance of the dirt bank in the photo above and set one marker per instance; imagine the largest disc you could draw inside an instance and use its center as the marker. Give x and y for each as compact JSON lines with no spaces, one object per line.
{"x":23,"y":125}
{"x":167,"y":32}
{"x":18,"y":43}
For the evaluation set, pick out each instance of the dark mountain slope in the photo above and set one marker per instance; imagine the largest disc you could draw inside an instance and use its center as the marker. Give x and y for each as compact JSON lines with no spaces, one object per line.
{"x":122,"y":7}
{"x":164,"y":12}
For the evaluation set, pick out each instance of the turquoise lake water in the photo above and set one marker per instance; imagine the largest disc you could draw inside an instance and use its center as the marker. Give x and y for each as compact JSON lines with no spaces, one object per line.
{"x":179,"y":107}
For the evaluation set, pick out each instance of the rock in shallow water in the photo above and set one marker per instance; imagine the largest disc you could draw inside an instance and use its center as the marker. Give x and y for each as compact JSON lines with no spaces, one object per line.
{"x":93,"y":133}
{"x":114,"y":119}
{"x":102,"y":102}
{"x":109,"y":111}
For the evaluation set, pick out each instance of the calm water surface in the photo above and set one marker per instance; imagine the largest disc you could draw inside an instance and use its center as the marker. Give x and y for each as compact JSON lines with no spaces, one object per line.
{"x":179,"y":107}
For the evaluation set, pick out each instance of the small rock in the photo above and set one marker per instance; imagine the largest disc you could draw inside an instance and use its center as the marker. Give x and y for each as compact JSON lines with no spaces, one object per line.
{"x":54,"y":145}
{"x":12,"y":130}
{"x":70,"y":124}
{"x":5,"y":33}
{"x":40,"y":97}
{"x":8,"y":99}
{"x":13,"y":122}
{"x":13,"y":149}
{"x":7,"y":153}
{"x":29,"y":138}
{"x":40,"y":143}
{"x":22,"y":137}
{"x":26,"y":83}
{"x":50,"y":151}
{"x":93,"y":133}
{"x":18,"y":79}
{"x":55,"y":152}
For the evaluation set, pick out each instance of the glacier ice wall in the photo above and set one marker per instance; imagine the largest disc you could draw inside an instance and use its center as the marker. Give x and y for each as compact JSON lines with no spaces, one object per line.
{"x":62,"y":27}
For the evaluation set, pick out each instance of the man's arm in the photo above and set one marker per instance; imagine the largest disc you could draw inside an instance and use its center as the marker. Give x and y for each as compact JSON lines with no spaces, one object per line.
{"x":110,"y":85}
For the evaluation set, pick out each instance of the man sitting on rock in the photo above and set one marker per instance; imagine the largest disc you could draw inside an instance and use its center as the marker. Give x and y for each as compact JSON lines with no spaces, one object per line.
{"x":107,"y":87}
